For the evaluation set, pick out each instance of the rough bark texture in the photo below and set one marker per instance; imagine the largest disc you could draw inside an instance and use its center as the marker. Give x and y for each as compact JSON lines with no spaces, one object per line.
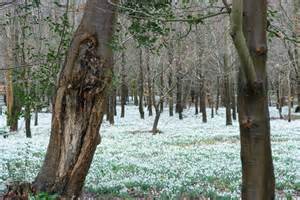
{"x":79,"y":103}
{"x":257,"y":166}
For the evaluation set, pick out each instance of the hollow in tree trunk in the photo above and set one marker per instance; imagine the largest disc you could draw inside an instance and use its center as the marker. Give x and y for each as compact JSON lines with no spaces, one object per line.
{"x":79,"y":103}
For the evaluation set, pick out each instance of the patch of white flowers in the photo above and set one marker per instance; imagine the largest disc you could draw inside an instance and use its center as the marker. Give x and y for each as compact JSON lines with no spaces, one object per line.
{"x":188,"y":158}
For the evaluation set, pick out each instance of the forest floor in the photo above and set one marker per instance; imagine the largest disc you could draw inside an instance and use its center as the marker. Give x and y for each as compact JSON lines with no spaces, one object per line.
{"x":187,"y":159}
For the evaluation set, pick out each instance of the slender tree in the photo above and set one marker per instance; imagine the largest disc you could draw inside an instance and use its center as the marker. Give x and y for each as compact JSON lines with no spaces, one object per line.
{"x":141,"y":84}
{"x":123,"y":85}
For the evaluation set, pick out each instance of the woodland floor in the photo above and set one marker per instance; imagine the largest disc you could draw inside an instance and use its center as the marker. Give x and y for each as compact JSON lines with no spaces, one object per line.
{"x":188,"y":159}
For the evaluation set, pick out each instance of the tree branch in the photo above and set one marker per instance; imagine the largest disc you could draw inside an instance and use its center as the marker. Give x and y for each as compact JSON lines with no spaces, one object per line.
{"x":240,"y":42}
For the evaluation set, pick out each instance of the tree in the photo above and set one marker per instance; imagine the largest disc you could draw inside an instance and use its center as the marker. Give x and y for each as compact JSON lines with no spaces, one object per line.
{"x":251,"y":45}
{"x":79,"y":103}
{"x":141,"y":84}
{"x":124,"y":91}
{"x":227,"y":92}
{"x":149,"y":83}
{"x":297,"y":45}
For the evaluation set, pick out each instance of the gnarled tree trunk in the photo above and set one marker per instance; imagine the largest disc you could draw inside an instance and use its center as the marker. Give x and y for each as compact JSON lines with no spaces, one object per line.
{"x":79,"y":104}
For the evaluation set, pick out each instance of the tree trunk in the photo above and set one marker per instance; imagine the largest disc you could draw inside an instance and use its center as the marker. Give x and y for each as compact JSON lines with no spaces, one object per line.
{"x":249,"y":24}
{"x":111,"y":107}
{"x":79,"y":103}
{"x":289,"y":97}
{"x":212,"y":109}
{"x":227,"y":101}
{"x":203,"y":99}
{"x":10,"y":60}
{"x":162,"y":85}
{"x":227,"y":91}
{"x":12,"y":107}
{"x":149,"y":83}
{"x":170,"y":78}
{"x":27,"y":117}
{"x":279,"y":97}
{"x":218,"y":95}
{"x":158,"y":111}
{"x":155,"y":124}
{"x":196,"y":102}
{"x":179,"y":108}
{"x":115,"y":101}
{"x":186,"y":93}
{"x":123,"y":86}
{"x":297,"y":45}
{"x":141,"y":84}
{"x":36,"y":116}
{"x":135,"y":95}
{"x":233,"y":100}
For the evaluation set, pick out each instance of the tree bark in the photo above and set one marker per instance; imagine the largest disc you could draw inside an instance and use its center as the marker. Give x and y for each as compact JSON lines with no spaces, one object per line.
{"x":179,"y":108}
{"x":249,"y":25}
{"x":297,"y":45}
{"x":196,"y":101}
{"x":111,"y":108}
{"x":279,"y":97}
{"x":27,"y":117}
{"x":135,"y":93}
{"x":149,"y":83}
{"x":162,"y":85}
{"x":227,"y":88}
{"x":170,"y":79}
{"x":141,"y":85}
{"x":218,"y":95}
{"x":79,"y":103}
{"x":36,"y":116}
{"x":10,"y":60}
{"x":123,"y":86}
{"x":289,"y":97}
{"x":233,"y":100}
{"x":203,"y":99}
